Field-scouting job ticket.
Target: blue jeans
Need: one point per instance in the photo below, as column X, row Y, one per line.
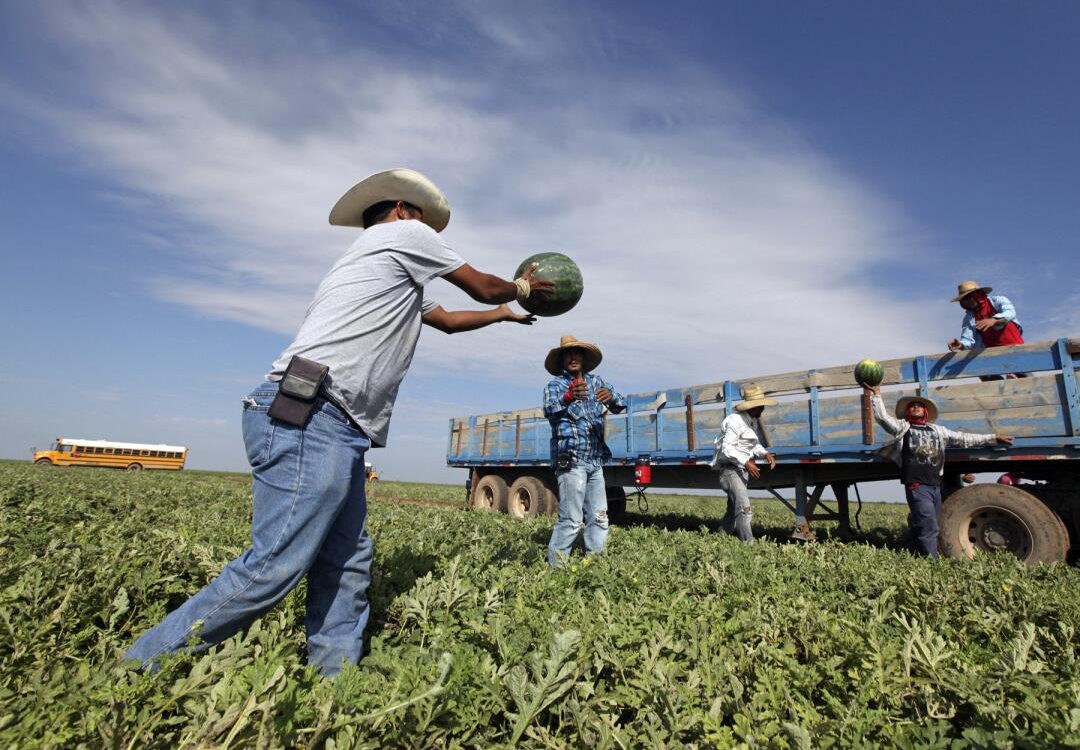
column 739, row 514
column 924, row 502
column 582, row 504
column 308, row 519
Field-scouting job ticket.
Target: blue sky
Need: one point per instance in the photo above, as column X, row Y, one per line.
column 749, row 188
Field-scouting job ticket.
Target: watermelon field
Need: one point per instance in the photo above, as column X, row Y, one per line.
column 680, row 637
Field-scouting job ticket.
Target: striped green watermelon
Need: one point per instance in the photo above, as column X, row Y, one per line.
column 566, row 276
column 869, row 373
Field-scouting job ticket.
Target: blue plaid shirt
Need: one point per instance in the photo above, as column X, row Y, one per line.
column 577, row 428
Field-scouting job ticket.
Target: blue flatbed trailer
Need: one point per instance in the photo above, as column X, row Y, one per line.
column 822, row 438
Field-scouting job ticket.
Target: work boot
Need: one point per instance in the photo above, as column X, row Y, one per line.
column 802, row 533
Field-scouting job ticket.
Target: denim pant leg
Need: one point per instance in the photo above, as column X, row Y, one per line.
column 727, row 523
column 595, row 510
column 301, row 479
column 572, row 484
column 337, row 603
column 739, row 514
column 925, row 505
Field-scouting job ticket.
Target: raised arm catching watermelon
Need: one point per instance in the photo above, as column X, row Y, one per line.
column 869, row 374
column 918, row 449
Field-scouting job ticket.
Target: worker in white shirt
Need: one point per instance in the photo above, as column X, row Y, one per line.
column 736, row 455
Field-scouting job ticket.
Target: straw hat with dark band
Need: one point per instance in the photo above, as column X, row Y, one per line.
column 903, row 404
column 754, row 396
column 964, row 288
column 590, row 355
column 392, row 185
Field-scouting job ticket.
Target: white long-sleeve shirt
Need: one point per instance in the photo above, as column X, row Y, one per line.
column 738, row 441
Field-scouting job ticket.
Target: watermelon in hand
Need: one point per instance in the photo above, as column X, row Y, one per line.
column 869, row 373
column 563, row 273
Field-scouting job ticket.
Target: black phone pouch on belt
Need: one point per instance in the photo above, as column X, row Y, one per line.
column 297, row 391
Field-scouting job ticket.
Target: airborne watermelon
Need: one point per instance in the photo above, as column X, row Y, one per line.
column 561, row 271
column 869, row 373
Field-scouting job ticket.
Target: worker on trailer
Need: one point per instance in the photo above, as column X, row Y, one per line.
column 989, row 320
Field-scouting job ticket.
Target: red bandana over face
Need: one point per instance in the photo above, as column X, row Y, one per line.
column 919, row 420
column 1008, row 335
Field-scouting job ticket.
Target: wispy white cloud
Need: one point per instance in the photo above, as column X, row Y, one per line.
column 714, row 240
column 1066, row 316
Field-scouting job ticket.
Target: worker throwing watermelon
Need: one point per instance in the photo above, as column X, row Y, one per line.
column 327, row 399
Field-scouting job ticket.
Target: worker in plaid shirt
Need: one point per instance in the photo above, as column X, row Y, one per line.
column 575, row 403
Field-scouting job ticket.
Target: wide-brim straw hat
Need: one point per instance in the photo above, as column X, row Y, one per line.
column 903, row 404
column 590, row 355
column 392, row 185
column 754, row 396
column 964, row 288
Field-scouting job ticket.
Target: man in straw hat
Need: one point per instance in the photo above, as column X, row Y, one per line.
column 326, row 400
column 735, row 455
column 575, row 403
column 989, row 319
column 919, row 449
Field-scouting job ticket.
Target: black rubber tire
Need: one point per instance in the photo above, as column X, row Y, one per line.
column 550, row 506
column 1001, row 518
column 616, row 504
column 43, row 462
column 526, row 497
column 490, row 494
column 135, row 467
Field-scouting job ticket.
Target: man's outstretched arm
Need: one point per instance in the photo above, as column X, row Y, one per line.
column 490, row 289
column 456, row 321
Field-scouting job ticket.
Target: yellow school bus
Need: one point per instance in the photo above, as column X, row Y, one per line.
column 130, row 456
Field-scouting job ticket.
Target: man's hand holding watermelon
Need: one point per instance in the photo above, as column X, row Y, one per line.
column 528, row 286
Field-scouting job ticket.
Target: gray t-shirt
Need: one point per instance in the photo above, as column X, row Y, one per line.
column 365, row 319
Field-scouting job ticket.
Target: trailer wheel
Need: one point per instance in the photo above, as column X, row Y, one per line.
column 526, row 497
column 550, row 506
column 997, row 518
column 616, row 503
column 490, row 494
